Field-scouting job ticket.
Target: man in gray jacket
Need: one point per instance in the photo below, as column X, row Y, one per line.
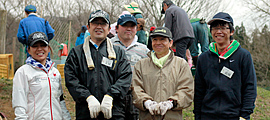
column 177, row 21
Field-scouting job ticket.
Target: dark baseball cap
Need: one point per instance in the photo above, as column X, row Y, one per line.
column 162, row 31
column 221, row 16
column 99, row 13
column 126, row 18
column 30, row 8
column 37, row 36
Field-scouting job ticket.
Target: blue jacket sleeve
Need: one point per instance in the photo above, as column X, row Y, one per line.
column 20, row 35
column 49, row 30
column 249, row 87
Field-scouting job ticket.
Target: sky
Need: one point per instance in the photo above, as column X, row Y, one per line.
column 241, row 13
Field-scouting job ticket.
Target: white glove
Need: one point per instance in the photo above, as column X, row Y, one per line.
column 164, row 106
column 94, row 106
column 241, row 118
column 106, row 106
column 152, row 106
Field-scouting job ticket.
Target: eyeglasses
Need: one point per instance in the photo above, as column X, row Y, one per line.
column 96, row 23
column 220, row 28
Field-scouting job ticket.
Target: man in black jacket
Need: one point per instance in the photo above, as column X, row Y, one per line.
column 225, row 80
column 98, row 74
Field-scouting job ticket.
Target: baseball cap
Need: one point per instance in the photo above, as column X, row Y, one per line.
column 30, row 8
column 162, row 31
column 37, row 36
column 223, row 17
column 126, row 18
column 99, row 13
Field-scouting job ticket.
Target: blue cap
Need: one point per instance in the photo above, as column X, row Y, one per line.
column 30, row 8
column 84, row 27
column 126, row 18
column 99, row 13
column 223, row 17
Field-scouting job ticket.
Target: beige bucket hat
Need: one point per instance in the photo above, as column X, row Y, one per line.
column 133, row 7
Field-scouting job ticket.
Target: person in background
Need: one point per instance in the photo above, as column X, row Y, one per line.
column 33, row 23
column 135, row 51
column 80, row 36
column 162, row 83
column 63, row 52
column 149, row 44
column 200, row 30
column 177, row 21
column 140, row 31
column 133, row 8
column 37, row 91
column 112, row 30
column 98, row 74
column 225, row 80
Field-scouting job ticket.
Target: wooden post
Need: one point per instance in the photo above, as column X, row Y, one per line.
column 14, row 49
column 69, row 42
column 3, row 24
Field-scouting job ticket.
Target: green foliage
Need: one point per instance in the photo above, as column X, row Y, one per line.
column 241, row 36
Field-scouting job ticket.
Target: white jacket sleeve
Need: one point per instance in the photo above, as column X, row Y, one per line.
column 19, row 95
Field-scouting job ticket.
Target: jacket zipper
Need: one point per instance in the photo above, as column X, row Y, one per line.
column 50, row 88
column 98, row 75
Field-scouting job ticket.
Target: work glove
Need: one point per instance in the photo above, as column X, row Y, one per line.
column 241, row 118
column 152, row 106
column 65, row 112
column 94, row 106
column 164, row 106
column 106, row 106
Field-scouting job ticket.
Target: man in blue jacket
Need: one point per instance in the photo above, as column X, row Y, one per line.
column 225, row 80
column 33, row 23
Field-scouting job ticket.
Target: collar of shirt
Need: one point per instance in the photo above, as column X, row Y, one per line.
column 134, row 42
column 93, row 43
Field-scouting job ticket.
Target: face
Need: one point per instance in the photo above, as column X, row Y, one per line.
column 127, row 31
column 39, row 51
column 221, row 34
column 98, row 29
column 161, row 45
column 165, row 7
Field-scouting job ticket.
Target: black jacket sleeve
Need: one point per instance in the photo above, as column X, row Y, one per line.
column 249, row 87
column 199, row 90
column 78, row 91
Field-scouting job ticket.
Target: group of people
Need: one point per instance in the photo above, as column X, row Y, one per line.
column 121, row 79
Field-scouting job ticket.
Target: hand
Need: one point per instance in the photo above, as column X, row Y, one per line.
column 106, row 106
column 152, row 106
column 164, row 106
column 94, row 106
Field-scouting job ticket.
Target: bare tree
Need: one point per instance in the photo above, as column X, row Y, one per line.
column 262, row 10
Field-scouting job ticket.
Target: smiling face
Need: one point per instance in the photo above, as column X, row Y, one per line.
column 221, row 33
column 39, row 51
column 98, row 29
column 161, row 45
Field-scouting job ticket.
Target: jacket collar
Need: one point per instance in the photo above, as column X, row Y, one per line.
column 229, row 50
column 34, row 63
column 170, row 58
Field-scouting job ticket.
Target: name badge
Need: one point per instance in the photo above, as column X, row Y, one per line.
column 107, row 62
column 227, row 72
column 135, row 58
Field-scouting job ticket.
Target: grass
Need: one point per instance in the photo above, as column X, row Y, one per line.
column 261, row 111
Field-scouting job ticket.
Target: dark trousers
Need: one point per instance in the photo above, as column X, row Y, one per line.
column 182, row 45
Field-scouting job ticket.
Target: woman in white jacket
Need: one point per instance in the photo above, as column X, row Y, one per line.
column 37, row 92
